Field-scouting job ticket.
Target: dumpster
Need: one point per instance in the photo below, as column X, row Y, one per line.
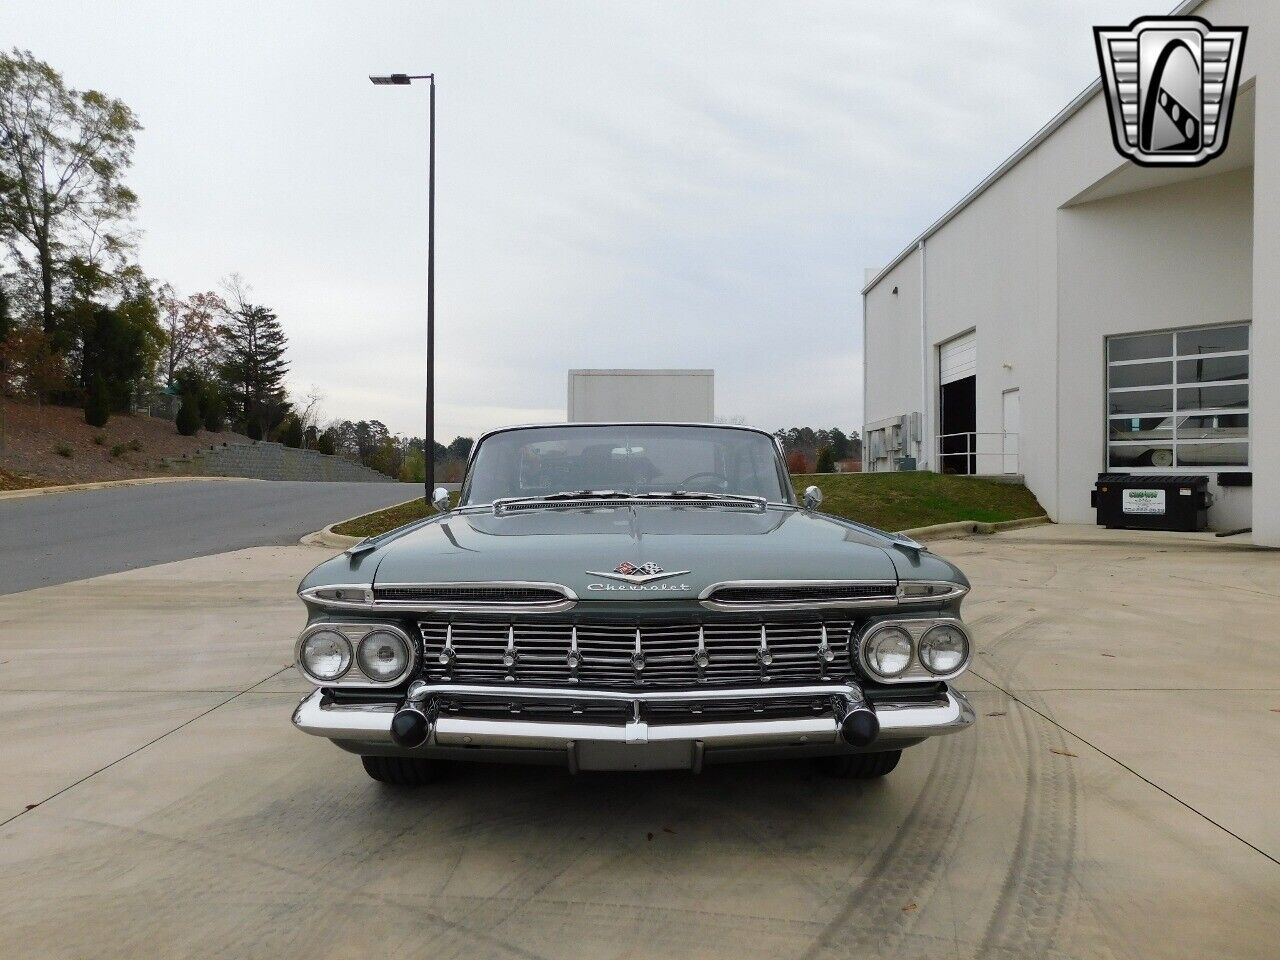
column 1145, row 502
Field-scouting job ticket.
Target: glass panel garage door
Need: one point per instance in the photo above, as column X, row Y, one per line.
column 1179, row 399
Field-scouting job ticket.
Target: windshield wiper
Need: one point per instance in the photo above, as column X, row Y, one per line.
column 580, row 495
column 700, row 495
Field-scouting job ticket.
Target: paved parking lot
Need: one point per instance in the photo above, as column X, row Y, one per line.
column 1117, row 798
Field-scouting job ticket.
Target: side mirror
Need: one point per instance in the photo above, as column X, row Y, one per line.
column 440, row 499
column 812, row 498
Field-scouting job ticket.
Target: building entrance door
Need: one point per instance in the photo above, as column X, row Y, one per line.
column 957, row 404
column 1011, row 424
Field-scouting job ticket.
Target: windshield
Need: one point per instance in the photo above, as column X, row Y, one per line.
column 639, row 459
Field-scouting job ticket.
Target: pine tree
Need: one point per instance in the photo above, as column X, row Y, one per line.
column 826, row 461
column 254, row 365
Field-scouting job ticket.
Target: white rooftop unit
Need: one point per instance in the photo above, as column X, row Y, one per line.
column 670, row 396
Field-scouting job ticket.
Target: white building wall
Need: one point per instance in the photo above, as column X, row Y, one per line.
column 1264, row 452
column 993, row 267
column 892, row 384
column 1174, row 256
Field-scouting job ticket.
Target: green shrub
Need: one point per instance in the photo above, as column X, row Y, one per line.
column 325, row 443
column 97, row 403
column 135, row 445
column 212, row 411
column 63, row 450
column 826, row 461
column 290, row 431
column 118, row 450
column 188, row 421
column 99, row 440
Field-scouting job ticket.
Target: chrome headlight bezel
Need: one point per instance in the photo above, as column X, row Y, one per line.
column 880, row 633
column 922, row 645
column 404, row 654
column 916, row 628
column 347, row 655
column 355, row 633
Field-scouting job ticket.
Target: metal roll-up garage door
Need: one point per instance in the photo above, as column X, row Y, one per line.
column 958, row 358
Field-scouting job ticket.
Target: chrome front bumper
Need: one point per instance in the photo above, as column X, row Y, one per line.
column 636, row 744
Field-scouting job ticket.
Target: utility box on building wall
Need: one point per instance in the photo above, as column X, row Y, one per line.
column 668, row 396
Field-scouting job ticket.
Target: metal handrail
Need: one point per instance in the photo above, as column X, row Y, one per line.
column 972, row 449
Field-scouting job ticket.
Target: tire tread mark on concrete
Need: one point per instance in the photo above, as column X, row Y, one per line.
column 873, row 916
column 1028, row 913
column 1027, row 919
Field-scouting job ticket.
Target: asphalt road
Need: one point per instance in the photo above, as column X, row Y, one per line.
column 45, row 540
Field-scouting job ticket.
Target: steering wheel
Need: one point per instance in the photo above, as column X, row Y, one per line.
column 723, row 480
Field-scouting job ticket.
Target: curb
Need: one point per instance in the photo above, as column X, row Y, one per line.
column 325, row 537
column 965, row 528
column 106, row 484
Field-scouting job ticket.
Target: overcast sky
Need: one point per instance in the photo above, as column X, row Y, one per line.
column 619, row 185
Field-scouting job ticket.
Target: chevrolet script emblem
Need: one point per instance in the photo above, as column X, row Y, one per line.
column 1170, row 84
column 630, row 573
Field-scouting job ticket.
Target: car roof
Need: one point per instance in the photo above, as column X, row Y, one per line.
column 623, row 423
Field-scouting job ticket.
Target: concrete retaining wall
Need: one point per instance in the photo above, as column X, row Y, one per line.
column 273, row 461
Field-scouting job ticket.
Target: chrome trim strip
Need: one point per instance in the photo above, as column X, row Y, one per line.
column 419, row 690
column 952, row 591
column 805, row 604
column 356, row 632
column 916, row 627
column 312, row 594
column 371, row 724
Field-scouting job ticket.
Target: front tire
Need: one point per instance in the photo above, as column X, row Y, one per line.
column 403, row 771
column 860, row 766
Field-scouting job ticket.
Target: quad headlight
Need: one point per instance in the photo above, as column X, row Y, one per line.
column 914, row 649
column 382, row 656
column 943, row 649
column 888, row 651
column 325, row 655
column 355, row 655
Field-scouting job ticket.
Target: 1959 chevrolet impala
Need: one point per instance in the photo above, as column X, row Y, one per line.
column 631, row 596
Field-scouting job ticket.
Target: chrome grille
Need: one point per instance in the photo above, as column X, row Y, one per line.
column 635, row 654
column 803, row 593
column 466, row 594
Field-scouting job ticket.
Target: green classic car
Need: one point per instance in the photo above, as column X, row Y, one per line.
column 631, row 596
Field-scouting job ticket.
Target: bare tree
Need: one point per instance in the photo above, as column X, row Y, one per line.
column 308, row 412
column 191, row 328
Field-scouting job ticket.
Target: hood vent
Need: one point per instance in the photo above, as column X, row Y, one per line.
column 793, row 594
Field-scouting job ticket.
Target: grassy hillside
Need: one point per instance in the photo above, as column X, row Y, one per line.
column 900, row 501
column 890, row 501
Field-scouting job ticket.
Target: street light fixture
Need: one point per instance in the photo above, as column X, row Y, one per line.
column 429, row 441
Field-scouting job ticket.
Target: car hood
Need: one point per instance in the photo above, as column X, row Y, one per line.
column 709, row 545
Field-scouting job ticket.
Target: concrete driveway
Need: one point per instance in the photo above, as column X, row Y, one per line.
column 1116, row 800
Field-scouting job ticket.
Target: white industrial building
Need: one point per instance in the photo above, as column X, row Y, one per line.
column 668, row 395
column 1076, row 313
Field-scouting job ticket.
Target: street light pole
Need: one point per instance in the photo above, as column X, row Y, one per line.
column 429, row 441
